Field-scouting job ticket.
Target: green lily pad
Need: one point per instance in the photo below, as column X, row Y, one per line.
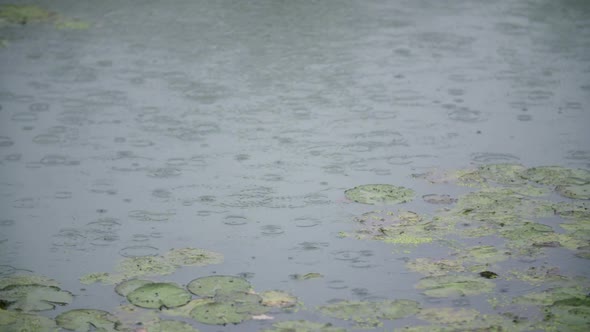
column 404, row 227
column 278, row 299
column 193, row 257
column 303, row 326
column 448, row 315
column 23, row 14
column 432, row 267
column 551, row 296
column 159, row 295
column 34, row 297
column 27, row 279
column 218, row 313
column 218, row 285
column 170, row 326
column 557, row 175
column 379, row 194
column 484, row 255
column 369, row 314
column 86, row 320
column 575, row 191
column 14, row 321
column 130, row 285
column 454, row 285
column 146, row 266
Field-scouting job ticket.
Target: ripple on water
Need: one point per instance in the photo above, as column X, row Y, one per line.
column 6, row 222
column 39, row 107
column 46, row 139
column 464, row 114
column 164, row 172
column 6, row 141
column 271, row 230
column 492, row 157
column 144, row 215
column 139, row 251
column 69, row 237
column 307, row 222
column 24, row 117
column 63, row 195
column 235, row 220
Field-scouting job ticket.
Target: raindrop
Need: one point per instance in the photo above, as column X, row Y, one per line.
column 138, row 251
column 490, row 157
column 5, row 141
column 46, row 139
column 271, row 230
column 465, row 115
column 24, row 117
column 7, row 222
column 140, row 237
column 165, row 172
column 524, row 117
column 63, row 195
column 104, row 240
column 307, row 222
column 26, row 203
column 39, row 107
column 13, row 157
column 105, row 224
column 235, row 220
column 6, row 270
column 161, row 193
column 69, row 237
column 337, row 284
column 53, row 160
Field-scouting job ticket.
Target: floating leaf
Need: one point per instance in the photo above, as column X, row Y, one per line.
column 303, row 326
column 130, row 285
column 34, row 297
column 433, row 267
column 193, row 257
column 22, row 14
column 218, row 285
column 451, row 286
column 575, row 191
column 557, row 175
column 159, row 295
column 85, row 320
column 379, row 194
column 278, row 299
column 369, row 314
column 170, row 326
column 218, row 313
column 14, row 321
column 27, row 279
column 448, row 315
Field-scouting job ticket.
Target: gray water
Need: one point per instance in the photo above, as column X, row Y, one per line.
column 236, row 126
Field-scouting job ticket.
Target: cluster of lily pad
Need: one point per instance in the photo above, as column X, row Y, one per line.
column 17, row 14
column 517, row 215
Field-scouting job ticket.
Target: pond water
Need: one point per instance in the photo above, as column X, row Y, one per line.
column 236, row 127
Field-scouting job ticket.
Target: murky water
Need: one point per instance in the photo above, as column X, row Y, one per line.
column 236, row 126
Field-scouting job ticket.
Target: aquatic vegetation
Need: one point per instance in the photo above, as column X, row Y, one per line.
column 23, row 14
column 454, row 285
column 370, row 314
column 278, row 299
column 307, row 276
column 218, row 285
column 170, row 326
column 557, row 175
column 448, row 315
column 435, row 267
column 219, row 313
column 26, row 322
column 33, row 297
column 484, row 255
column 574, row 191
column 159, row 295
column 27, row 279
column 86, row 320
column 404, row 227
column 133, row 267
column 130, row 285
column 193, row 257
column 304, row 326
column 379, row 194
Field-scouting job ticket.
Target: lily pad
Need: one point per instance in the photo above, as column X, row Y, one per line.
column 14, row 321
column 218, row 285
column 432, row 267
column 575, row 191
column 159, row 295
column 218, row 313
column 130, row 285
column 369, row 314
column 404, row 227
column 278, row 299
column 27, row 279
column 23, row 14
column 146, row 265
column 193, row 257
column 33, row 297
column 448, row 315
column 454, row 285
column 303, row 326
column 379, row 194
column 170, row 326
column 557, row 175
column 86, row 320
